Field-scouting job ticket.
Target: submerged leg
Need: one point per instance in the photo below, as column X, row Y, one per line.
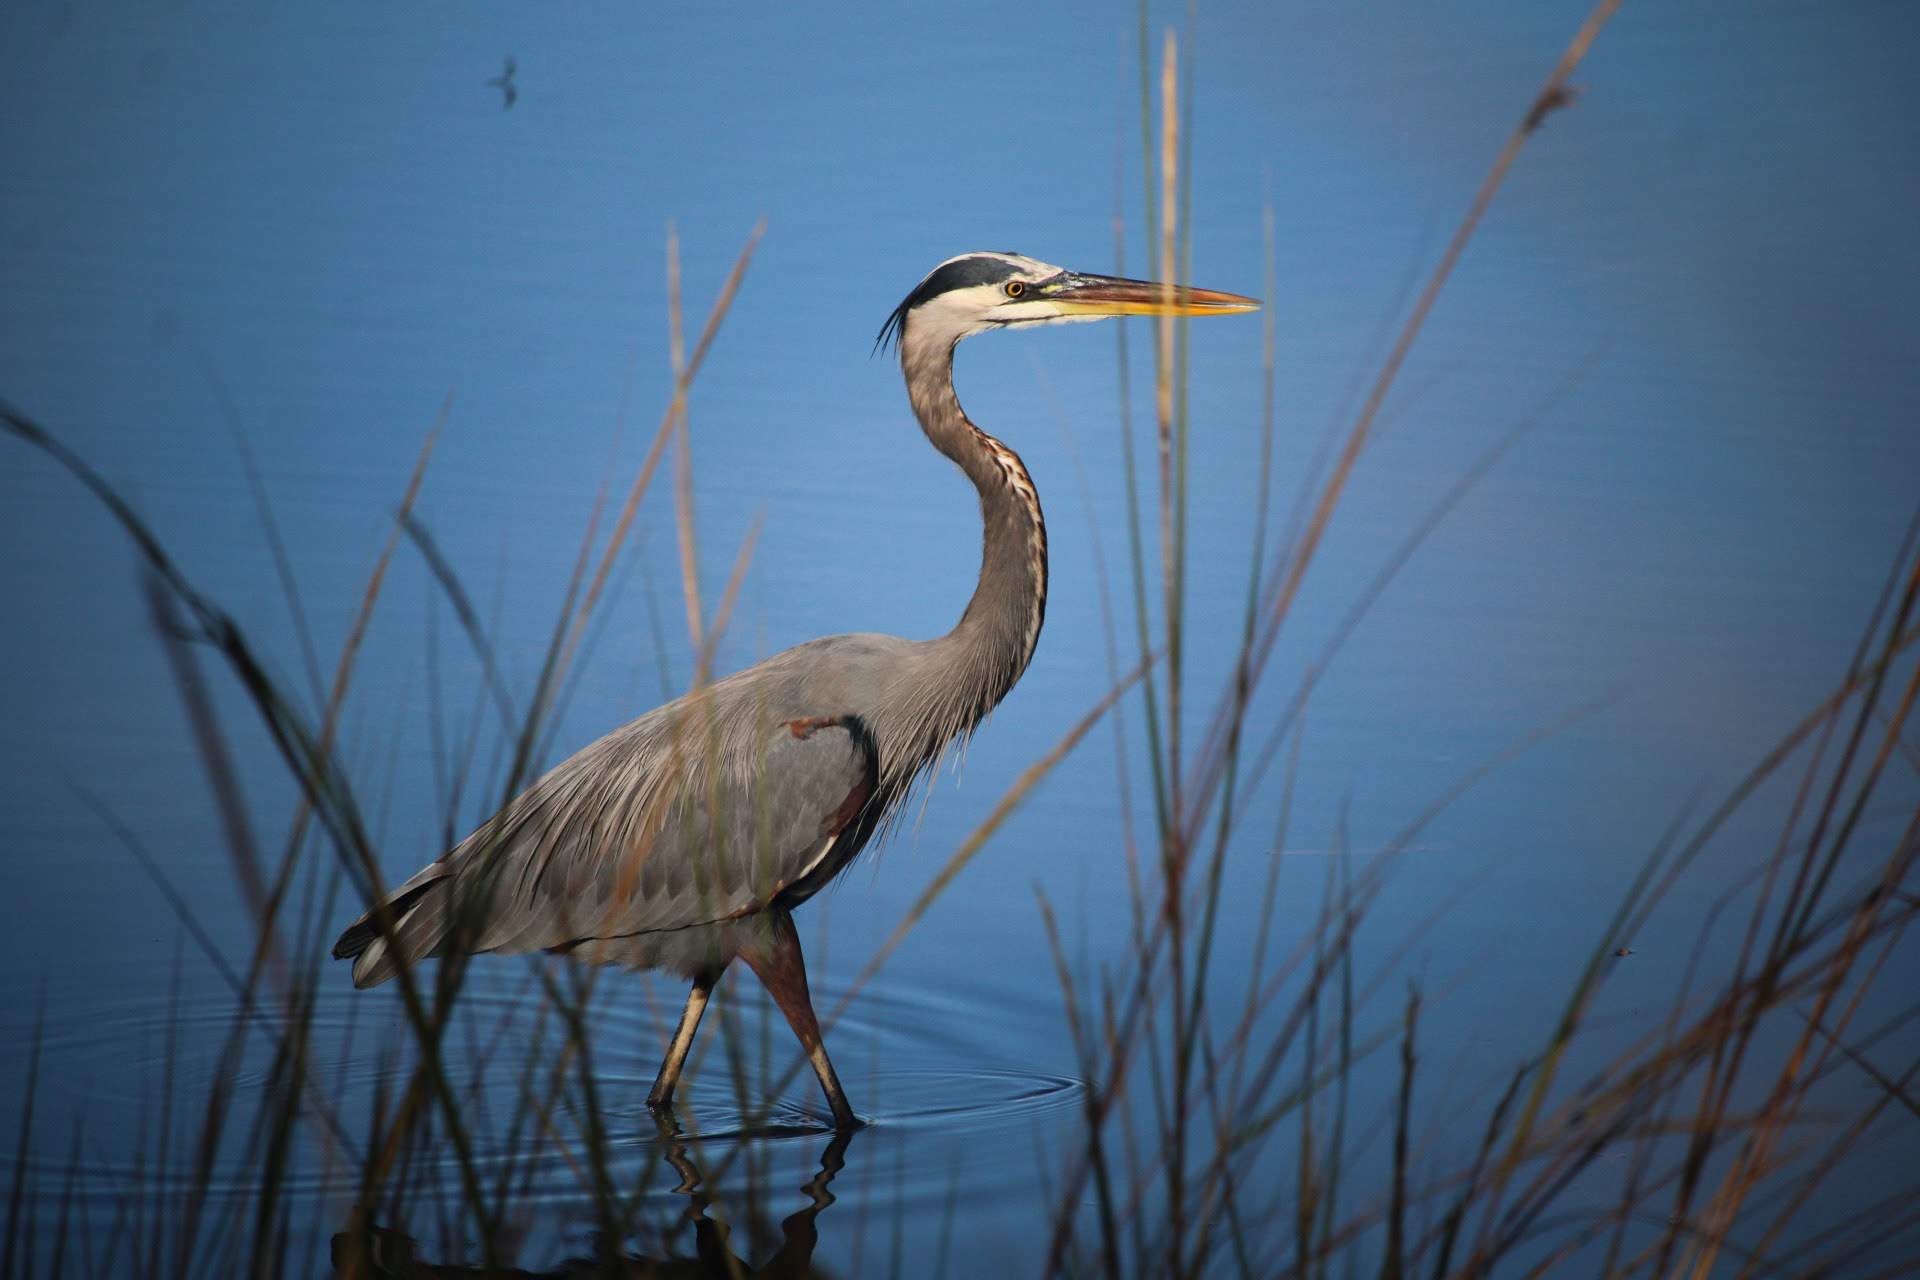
column 662, row 1095
column 776, row 960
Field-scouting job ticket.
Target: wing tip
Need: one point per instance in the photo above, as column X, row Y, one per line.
column 372, row 966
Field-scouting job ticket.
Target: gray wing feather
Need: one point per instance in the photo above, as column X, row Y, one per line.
column 664, row 824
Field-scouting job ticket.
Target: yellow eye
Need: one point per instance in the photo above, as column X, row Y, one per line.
column 1015, row 288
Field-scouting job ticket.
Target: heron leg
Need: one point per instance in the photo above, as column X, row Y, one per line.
column 662, row 1096
column 776, row 960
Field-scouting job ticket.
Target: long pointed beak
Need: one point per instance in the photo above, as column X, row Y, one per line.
column 1113, row 296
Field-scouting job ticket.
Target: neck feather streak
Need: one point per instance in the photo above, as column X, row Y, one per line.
column 976, row 663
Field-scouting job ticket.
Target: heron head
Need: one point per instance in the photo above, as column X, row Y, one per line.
column 976, row 292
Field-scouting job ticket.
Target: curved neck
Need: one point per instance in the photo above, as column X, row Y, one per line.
column 989, row 648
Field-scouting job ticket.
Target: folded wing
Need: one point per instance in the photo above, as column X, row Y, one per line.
column 661, row 825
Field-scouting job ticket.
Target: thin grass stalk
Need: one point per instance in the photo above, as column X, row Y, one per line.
column 256, row 1014
column 57, row 1267
column 1873, row 1216
column 1451, row 1222
column 1083, row 1047
column 1149, row 194
column 1668, row 1106
column 551, row 686
column 1136, row 542
column 1109, row 632
column 1269, row 901
column 1242, row 687
column 1135, row 551
column 567, row 636
column 1083, row 1031
column 1753, row 1159
column 1343, row 1071
column 1129, row 1135
column 673, row 426
column 683, row 460
column 220, row 1094
column 1553, row 95
column 1360, row 896
column 683, row 385
column 1177, row 951
column 1850, row 821
column 598, row 1174
column 1804, row 792
column 269, row 528
column 288, row 1079
column 572, row 622
column 1183, row 327
column 1675, row 1062
column 169, row 1063
column 1727, row 1073
column 1573, row 1013
column 312, row 766
column 1892, row 1090
column 267, row 912
column 1241, row 684
column 1781, row 751
column 16, row 1196
column 1164, row 415
column 1371, row 594
column 468, row 617
column 1139, row 1011
column 1173, row 854
column 1866, row 678
column 467, row 767
column 1391, row 963
column 1219, row 1191
column 1895, row 1090
column 1307, row 1166
column 1783, row 933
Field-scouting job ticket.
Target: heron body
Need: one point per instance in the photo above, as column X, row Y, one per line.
column 684, row 839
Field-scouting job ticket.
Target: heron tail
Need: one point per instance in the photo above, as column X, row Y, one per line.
column 419, row 915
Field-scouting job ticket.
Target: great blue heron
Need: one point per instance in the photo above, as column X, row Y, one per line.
column 685, row 838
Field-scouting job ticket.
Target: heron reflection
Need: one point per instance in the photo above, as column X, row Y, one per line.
column 375, row 1253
